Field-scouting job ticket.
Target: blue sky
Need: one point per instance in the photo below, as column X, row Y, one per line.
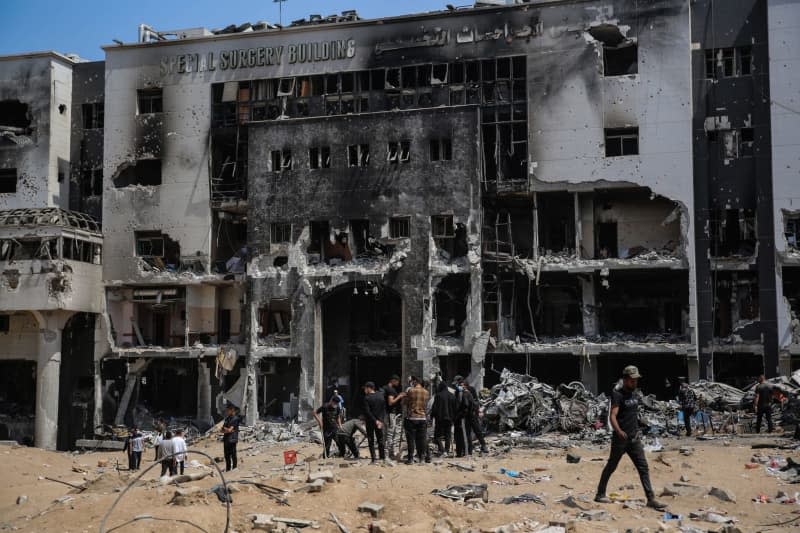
column 82, row 26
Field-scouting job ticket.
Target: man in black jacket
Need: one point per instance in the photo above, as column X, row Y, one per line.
column 230, row 436
column 443, row 413
column 469, row 408
column 375, row 414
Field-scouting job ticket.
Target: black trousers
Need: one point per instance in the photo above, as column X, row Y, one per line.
column 634, row 449
column 327, row 439
column 458, row 436
column 179, row 466
column 443, row 435
column 688, row 413
column 168, row 465
column 762, row 412
column 230, row 455
column 417, row 437
column 473, row 426
column 131, row 460
column 374, row 433
column 346, row 442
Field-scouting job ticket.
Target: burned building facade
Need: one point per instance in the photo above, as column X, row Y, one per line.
column 532, row 186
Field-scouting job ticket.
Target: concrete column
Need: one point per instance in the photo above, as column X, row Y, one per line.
column 203, row 392
column 251, row 390
column 98, row 394
column 693, row 368
column 578, row 225
column 535, row 228
column 588, row 296
column 785, row 365
column 589, row 376
column 48, row 372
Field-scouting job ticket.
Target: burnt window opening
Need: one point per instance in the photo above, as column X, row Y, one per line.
column 733, row 143
column 275, row 319
column 157, row 249
column 621, row 141
column 80, row 250
column 746, row 139
column 732, row 232
column 736, row 302
column 146, row 172
column 400, row 227
column 360, row 237
column 320, row 235
column 607, row 245
column 281, row 160
column 792, row 231
column 319, row 157
column 358, row 155
column 450, row 305
column 93, row 116
column 280, row 233
column 92, row 182
column 29, row 249
column 5, row 323
column 8, row 180
column 552, row 307
column 443, row 231
column 149, row 101
column 441, row 149
column 229, row 166
column 399, row 152
column 14, row 114
column 620, row 53
column 729, row 62
column 556, row 215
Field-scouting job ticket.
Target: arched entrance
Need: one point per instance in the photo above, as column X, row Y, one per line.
column 362, row 339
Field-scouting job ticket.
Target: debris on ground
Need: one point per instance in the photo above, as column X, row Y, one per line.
column 464, row 492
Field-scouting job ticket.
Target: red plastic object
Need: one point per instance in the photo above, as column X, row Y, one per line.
column 289, row 457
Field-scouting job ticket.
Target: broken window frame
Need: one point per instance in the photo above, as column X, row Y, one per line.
column 8, row 180
column 622, row 137
column 147, row 244
column 93, row 115
column 267, row 316
column 319, row 157
column 791, row 231
column 357, row 155
column 92, row 181
column 149, row 101
column 443, row 227
column 281, row 160
column 441, row 149
column 611, row 68
column 731, row 62
column 400, row 227
column 280, row 233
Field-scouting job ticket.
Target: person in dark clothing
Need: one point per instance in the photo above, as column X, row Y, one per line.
column 134, row 445
column 469, row 406
column 345, row 436
column 375, row 415
column 394, row 416
column 688, row 400
column 329, row 420
column 626, row 439
column 230, row 436
column 762, row 403
column 443, row 413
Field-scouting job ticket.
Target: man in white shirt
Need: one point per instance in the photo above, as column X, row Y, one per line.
column 179, row 447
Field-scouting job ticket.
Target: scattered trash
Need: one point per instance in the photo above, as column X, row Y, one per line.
column 511, row 473
column 669, row 516
column 594, row 515
column 464, row 492
column 710, row 515
column 523, row 498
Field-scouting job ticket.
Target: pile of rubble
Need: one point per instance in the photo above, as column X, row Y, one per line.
column 521, row 403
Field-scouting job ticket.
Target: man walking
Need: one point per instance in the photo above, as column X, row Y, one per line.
column 762, row 403
column 375, row 414
column 166, row 455
column 416, row 422
column 394, row 422
column 179, row 447
column 345, row 436
column 230, row 436
column 688, row 400
column 470, row 409
column 443, row 413
column 626, row 439
column 329, row 420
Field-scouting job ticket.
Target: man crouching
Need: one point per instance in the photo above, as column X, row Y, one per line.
column 626, row 438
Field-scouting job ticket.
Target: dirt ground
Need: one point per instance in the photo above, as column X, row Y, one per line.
column 405, row 490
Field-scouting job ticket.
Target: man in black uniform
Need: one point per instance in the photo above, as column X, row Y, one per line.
column 626, row 438
column 762, row 403
column 329, row 419
column 230, row 436
column 375, row 414
column 469, row 407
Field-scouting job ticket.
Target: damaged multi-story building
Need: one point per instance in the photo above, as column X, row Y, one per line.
column 555, row 187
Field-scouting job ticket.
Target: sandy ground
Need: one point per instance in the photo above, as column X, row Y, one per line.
column 403, row 489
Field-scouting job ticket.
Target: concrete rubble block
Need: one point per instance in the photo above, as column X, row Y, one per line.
column 268, row 522
column 325, row 475
column 683, row 489
column 375, row 509
column 573, row 458
column 595, row 515
column 21, row 499
column 722, row 494
column 379, row 526
column 100, row 444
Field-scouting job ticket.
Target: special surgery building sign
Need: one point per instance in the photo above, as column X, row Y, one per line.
column 259, row 57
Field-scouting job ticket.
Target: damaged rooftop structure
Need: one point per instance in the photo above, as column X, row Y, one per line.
column 557, row 188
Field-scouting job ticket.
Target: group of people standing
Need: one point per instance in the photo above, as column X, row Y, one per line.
column 391, row 413
column 170, row 449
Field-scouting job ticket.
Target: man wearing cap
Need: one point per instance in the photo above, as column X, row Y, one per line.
column 394, row 421
column 375, row 414
column 626, row 439
column 230, row 436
